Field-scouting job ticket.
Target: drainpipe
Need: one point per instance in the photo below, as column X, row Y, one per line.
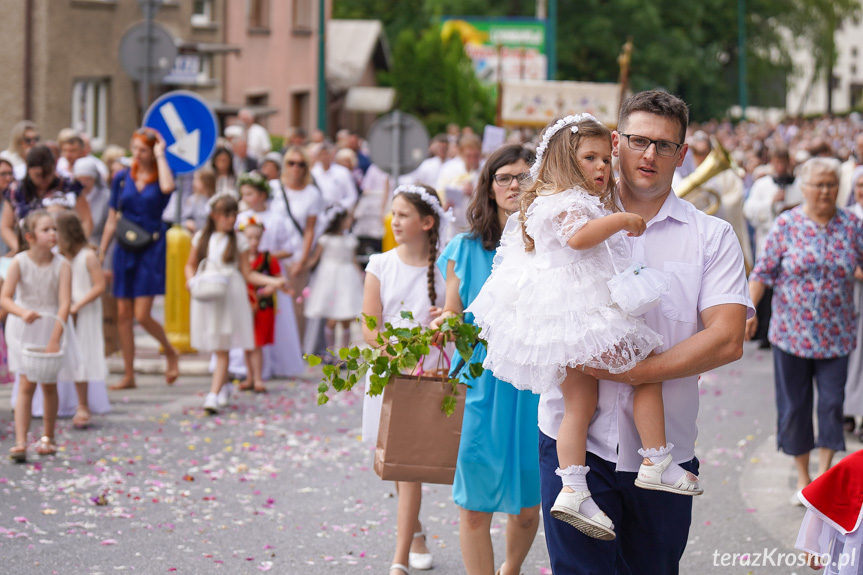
column 28, row 59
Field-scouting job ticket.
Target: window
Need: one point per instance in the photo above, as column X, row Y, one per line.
column 300, row 110
column 90, row 110
column 303, row 17
column 205, row 72
column 202, row 12
column 259, row 14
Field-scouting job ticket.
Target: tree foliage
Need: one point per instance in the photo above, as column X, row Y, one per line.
column 434, row 80
column 688, row 48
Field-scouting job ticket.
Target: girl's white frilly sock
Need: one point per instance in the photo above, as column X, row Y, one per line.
column 656, row 456
column 575, row 477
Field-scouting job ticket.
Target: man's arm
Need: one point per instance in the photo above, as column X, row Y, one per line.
column 719, row 343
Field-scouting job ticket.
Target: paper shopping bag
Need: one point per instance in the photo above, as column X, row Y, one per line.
column 416, row 440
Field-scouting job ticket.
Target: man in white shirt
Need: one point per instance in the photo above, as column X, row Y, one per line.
column 335, row 182
column 429, row 170
column 457, row 180
column 257, row 136
column 701, row 320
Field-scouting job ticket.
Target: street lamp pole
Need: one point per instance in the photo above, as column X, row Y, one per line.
column 741, row 55
column 322, row 81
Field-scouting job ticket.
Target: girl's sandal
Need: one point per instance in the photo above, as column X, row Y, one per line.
column 81, row 419
column 46, row 446
column 18, row 454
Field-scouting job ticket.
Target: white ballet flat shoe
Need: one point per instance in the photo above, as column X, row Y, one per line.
column 399, row 566
column 650, row 477
column 566, row 508
column 420, row 561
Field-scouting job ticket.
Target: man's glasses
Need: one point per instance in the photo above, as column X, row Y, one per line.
column 506, row 179
column 33, row 140
column 293, row 164
column 640, row 144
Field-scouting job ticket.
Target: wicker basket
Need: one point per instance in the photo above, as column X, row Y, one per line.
column 39, row 366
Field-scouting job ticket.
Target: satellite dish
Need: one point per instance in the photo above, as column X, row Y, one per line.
column 398, row 142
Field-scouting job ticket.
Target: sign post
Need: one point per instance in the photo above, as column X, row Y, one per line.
column 190, row 130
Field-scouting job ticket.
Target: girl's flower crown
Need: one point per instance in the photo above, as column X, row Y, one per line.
column 251, row 222
column 551, row 131
column 254, row 179
column 446, row 217
column 216, row 197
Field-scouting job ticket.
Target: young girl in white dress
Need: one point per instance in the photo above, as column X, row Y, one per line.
column 284, row 357
column 336, row 290
column 406, row 279
column 88, row 285
column 41, row 283
column 222, row 324
column 546, row 310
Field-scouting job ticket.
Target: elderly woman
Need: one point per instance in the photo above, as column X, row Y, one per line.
column 41, row 188
column 95, row 189
column 141, row 194
column 24, row 137
column 810, row 258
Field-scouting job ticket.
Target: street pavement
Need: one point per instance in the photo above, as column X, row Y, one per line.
column 278, row 484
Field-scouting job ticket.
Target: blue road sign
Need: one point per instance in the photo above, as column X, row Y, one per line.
column 189, row 127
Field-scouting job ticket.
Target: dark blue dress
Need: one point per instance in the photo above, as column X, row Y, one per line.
column 141, row 274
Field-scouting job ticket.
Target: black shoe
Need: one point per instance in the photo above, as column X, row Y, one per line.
column 764, row 344
column 849, row 424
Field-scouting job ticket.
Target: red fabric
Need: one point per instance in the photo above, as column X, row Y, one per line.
column 265, row 319
column 838, row 494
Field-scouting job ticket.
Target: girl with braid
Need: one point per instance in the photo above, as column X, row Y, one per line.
column 406, row 279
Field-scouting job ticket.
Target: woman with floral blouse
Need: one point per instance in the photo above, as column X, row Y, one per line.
column 810, row 259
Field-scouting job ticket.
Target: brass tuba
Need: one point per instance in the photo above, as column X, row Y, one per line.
column 691, row 188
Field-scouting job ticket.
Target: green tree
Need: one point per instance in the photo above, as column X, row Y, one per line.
column 434, row 80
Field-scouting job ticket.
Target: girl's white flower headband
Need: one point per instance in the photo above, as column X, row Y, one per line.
column 551, row 131
column 446, row 217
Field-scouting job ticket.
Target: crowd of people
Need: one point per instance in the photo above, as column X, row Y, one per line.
column 522, row 241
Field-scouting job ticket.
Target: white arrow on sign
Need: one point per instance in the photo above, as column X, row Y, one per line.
column 186, row 145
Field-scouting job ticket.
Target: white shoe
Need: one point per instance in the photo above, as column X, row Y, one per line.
column 223, row 399
column 566, row 508
column 211, row 404
column 650, row 477
column 420, row 561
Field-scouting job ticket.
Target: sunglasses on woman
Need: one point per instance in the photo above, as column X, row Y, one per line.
column 293, row 164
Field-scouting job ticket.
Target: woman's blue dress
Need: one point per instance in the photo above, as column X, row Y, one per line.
column 498, row 457
column 141, row 274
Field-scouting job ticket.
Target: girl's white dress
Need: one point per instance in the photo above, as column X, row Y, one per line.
column 403, row 288
column 544, row 310
column 336, row 291
column 38, row 289
column 226, row 323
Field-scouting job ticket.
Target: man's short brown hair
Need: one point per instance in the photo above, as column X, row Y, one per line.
column 659, row 103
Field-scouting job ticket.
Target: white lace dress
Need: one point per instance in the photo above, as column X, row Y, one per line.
column 544, row 310
column 336, row 291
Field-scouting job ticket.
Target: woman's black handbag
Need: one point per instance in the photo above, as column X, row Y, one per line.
column 130, row 235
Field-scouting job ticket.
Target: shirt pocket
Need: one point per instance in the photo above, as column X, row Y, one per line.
column 680, row 303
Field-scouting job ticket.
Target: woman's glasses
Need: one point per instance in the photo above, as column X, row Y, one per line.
column 293, row 164
column 146, row 134
column 31, row 140
column 506, row 179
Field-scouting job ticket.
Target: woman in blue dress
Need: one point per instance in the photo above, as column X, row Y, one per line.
column 141, row 194
column 498, row 460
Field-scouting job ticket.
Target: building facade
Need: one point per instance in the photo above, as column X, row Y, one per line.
column 61, row 66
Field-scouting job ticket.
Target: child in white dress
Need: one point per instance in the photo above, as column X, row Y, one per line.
column 280, row 240
column 222, row 324
column 88, row 285
column 41, row 283
column 547, row 310
column 336, row 290
column 405, row 279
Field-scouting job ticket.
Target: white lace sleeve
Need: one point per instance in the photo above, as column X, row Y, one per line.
column 574, row 209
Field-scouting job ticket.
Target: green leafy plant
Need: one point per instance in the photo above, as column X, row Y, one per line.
column 397, row 352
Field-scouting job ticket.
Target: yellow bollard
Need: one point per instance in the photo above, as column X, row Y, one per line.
column 389, row 241
column 176, row 295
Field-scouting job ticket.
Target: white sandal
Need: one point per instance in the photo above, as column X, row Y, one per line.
column 566, row 508
column 399, row 566
column 420, row 561
column 650, row 477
